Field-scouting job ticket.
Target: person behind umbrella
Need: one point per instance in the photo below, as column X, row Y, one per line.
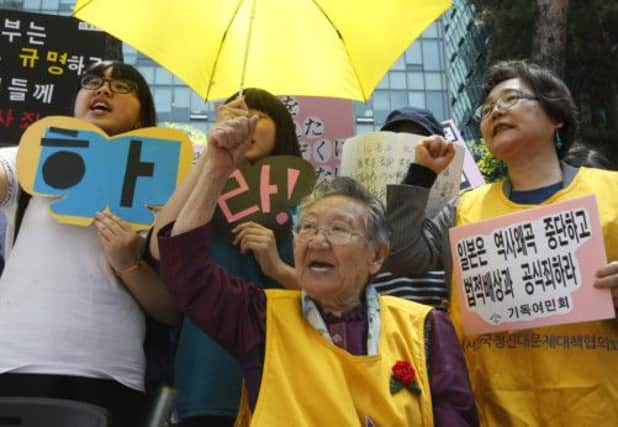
column 542, row 376
column 429, row 288
column 334, row 353
column 207, row 379
column 70, row 324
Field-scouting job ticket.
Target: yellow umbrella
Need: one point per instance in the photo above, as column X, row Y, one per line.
column 332, row 48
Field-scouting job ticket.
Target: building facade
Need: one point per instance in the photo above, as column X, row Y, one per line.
column 417, row 78
column 466, row 48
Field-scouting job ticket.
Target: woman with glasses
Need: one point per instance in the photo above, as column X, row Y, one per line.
column 334, row 353
column 528, row 120
column 70, row 324
column 207, row 379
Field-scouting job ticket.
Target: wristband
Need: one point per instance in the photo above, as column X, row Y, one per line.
column 137, row 265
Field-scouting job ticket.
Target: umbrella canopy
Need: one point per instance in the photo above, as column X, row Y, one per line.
column 332, row 48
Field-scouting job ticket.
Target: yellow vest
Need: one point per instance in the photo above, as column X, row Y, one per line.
column 309, row 382
column 553, row 376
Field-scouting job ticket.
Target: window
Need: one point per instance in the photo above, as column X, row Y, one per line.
column 398, row 80
column 398, row 99
column 49, row 5
column 416, row 99
column 414, row 54
column 436, row 104
column 433, row 81
column 163, row 77
column 431, row 31
column 182, row 97
column 380, row 100
column 431, row 55
column 163, row 99
column 148, row 73
column 32, row 4
column 415, row 81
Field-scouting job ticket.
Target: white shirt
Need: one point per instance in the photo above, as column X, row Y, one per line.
column 62, row 311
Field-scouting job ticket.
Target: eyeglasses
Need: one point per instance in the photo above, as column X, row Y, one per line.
column 505, row 101
column 336, row 234
column 92, row 82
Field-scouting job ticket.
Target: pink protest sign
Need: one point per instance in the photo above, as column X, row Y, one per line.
column 322, row 124
column 471, row 176
column 532, row 268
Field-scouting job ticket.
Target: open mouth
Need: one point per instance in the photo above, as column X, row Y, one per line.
column 320, row 266
column 100, row 106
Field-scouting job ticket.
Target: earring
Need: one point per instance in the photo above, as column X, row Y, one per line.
column 558, row 141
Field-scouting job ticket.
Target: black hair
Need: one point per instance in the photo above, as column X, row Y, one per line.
column 584, row 155
column 552, row 93
column 120, row 70
column 378, row 228
column 286, row 141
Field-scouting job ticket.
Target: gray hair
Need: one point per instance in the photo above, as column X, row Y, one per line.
column 378, row 230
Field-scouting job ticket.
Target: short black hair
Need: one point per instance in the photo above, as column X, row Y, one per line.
column 120, row 70
column 553, row 94
column 286, row 141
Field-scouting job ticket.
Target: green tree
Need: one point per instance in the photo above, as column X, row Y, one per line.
column 492, row 168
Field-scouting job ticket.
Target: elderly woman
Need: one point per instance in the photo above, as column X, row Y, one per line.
column 541, row 376
column 335, row 353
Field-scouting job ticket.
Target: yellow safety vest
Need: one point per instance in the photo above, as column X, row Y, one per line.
column 309, row 382
column 553, row 376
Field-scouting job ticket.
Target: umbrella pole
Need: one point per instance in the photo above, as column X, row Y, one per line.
column 247, row 46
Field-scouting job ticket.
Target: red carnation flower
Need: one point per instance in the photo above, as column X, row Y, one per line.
column 404, row 376
column 404, row 372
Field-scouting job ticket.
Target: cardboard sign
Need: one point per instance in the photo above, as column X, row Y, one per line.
column 41, row 57
column 264, row 192
column 76, row 163
column 471, row 176
column 377, row 159
column 531, row 268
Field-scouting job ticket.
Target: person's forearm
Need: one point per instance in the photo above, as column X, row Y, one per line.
column 201, row 203
column 286, row 276
column 451, row 393
column 174, row 205
column 151, row 294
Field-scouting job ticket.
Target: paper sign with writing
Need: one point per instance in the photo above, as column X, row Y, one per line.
column 377, row 159
column 41, row 59
column 531, row 268
column 322, row 124
column 471, row 176
column 86, row 171
column 264, row 192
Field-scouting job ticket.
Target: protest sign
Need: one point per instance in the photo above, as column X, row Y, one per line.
column 265, row 192
column 42, row 57
column 471, row 176
column 76, row 163
column 377, row 159
column 531, row 268
column 322, row 124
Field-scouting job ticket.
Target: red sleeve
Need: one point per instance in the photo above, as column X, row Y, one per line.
column 228, row 309
column 453, row 402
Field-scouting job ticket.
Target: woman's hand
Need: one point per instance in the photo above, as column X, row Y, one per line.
column 235, row 108
column 121, row 245
column 261, row 240
column 434, row 152
column 227, row 142
column 251, row 236
column 607, row 278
